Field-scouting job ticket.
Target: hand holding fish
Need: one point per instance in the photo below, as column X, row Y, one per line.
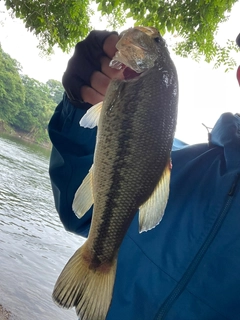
column 88, row 73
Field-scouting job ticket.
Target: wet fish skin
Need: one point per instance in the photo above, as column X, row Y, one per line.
column 131, row 169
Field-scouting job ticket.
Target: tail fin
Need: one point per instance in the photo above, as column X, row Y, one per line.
column 89, row 290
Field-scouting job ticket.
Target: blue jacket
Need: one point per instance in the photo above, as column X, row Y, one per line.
column 188, row 267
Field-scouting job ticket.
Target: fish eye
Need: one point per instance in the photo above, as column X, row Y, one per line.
column 161, row 41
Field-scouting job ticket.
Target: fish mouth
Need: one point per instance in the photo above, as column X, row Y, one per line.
column 133, row 54
column 128, row 73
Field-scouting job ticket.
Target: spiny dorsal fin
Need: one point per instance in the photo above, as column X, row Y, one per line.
column 151, row 212
column 83, row 199
column 91, row 117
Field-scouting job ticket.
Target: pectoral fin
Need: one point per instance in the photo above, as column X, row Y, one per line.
column 151, row 212
column 91, row 117
column 83, row 199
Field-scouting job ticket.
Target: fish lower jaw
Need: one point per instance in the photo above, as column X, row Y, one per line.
column 128, row 73
column 115, row 64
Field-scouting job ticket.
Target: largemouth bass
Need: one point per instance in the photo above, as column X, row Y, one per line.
column 131, row 169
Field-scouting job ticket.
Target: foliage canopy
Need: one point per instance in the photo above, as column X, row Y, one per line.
column 65, row 22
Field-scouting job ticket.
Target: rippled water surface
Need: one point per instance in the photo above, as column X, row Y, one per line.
column 34, row 247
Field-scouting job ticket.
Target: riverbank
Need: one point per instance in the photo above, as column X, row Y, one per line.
column 4, row 314
column 20, row 134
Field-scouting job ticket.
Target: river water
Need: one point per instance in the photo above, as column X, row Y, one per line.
column 34, row 247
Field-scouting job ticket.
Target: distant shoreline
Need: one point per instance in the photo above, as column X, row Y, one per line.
column 6, row 129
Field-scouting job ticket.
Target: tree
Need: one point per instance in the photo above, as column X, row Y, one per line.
column 34, row 116
column 55, row 89
column 26, row 103
column 11, row 87
column 65, row 22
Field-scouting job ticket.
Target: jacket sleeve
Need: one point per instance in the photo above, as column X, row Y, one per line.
column 70, row 161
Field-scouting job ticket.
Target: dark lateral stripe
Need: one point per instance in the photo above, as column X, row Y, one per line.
column 124, row 141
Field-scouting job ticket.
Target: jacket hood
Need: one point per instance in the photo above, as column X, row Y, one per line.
column 226, row 134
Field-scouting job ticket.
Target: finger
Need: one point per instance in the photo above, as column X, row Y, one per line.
column 100, row 82
column 78, row 73
column 108, row 71
column 85, row 60
column 109, row 45
column 90, row 95
column 95, row 43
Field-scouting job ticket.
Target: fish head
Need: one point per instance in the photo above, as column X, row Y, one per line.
column 138, row 49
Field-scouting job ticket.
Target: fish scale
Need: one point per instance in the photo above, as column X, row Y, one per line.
column 131, row 168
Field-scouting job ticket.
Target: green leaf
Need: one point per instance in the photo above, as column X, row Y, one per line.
column 169, row 25
column 196, row 22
